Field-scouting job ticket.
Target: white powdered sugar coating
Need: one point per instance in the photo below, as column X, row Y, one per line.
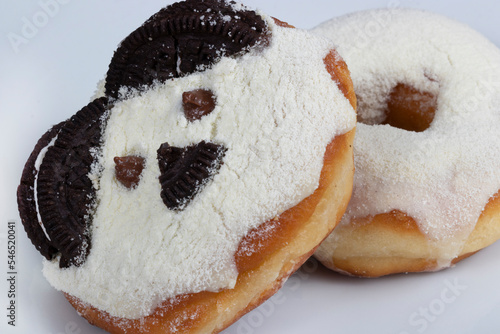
column 277, row 110
column 100, row 90
column 443, row 177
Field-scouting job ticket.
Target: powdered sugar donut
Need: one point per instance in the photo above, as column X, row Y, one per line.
column 201, row 179
column 427, row 144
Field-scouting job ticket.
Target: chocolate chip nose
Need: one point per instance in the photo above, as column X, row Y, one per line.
column 128, row 170
column 185, row 171
column 198, row 103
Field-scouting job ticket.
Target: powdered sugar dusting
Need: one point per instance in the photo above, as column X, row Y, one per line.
column 444, row 176
column 277, row 110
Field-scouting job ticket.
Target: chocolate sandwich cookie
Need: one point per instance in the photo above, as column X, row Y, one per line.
column 181, row 39
column 27, row 200
column 64, row 193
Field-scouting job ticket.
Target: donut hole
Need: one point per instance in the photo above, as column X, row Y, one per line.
column 410, row 109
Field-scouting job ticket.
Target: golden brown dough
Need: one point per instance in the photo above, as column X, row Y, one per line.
column 392, row 243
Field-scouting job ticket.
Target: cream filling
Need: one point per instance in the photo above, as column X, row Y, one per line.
column 38, row 163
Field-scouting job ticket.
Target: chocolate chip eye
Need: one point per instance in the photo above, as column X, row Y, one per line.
column 184, row 171
column 198, row 103
column 128, row 170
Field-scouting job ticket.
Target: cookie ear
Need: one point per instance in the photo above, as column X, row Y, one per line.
column 65, row 192
column 26, row 196
column 180, row 39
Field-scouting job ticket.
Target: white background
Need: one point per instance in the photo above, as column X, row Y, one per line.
column 53, row 74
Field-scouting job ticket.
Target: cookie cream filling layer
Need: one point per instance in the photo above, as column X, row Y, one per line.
column 38, row 163
column 277, row 110
column 444, row 176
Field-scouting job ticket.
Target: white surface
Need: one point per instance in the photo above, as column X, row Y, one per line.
column 54, row 74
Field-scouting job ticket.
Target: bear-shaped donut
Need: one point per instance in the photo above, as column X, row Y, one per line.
column 201, row 178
